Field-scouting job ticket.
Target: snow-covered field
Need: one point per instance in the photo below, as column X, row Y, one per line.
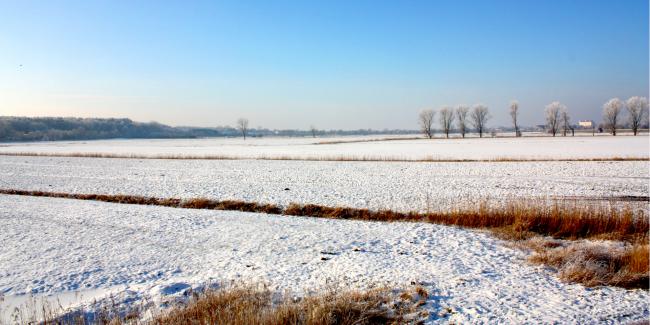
column 542, row 147
column 403, row 186
column 76, row 251
column 56, row 246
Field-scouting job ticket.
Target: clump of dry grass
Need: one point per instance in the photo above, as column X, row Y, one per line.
column 595, row 263
column 251, row 305
column 255, row 304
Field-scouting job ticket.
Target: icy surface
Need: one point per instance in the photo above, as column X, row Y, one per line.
column 55, row 246
column 404, row 186
column 470, row 148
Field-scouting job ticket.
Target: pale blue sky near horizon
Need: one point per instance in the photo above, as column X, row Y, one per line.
column 333, row 64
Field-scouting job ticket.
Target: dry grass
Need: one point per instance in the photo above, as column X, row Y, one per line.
column 197, row 203
column 105, row 311
column 250, row 305
column 595, row 263
column 518, row 221
column 342, row 158
column 514, row 220
column 231, row 205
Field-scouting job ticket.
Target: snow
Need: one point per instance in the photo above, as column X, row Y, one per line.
column 538, row 147
column 77, row 251
column 403, row 186
column 57, row 246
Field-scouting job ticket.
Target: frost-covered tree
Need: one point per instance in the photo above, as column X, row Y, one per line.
column 480, row 115
column 637, row 107
column 611, row 114
column 446, row 119
column 242, row 126
column 514, row 114
column 461, row 117
column 426, row 122
column 313, row 130
column 552, row 113
column 565, row 120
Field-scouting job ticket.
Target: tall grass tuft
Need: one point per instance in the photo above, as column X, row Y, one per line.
column 249, row 305
column 598, row 263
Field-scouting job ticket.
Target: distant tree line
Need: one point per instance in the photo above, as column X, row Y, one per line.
column 557, row 119
column 617, row 114
column 67, row 128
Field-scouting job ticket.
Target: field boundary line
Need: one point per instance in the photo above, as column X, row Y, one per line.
column 311, row 158
column 566, row 219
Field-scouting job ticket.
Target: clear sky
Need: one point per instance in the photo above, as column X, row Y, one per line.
column 334, row 64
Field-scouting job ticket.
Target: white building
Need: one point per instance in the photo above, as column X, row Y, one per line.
column 586, row 124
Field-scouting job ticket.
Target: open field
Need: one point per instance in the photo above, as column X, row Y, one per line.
column 162, row 252
column 354, row 148
column 375, row 185
column 76, row 251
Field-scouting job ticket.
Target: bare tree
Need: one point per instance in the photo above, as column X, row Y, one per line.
column 638, row 108
column 479, row 115
column 514, row 114
column 552, row 113
column 461, row 116
column 446, row 119
column 565, row 120
column 313, row 130
column 611, row 114
column 426, row 122
column 242, row 126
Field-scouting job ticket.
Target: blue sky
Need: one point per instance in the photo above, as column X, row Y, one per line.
column 334, row 64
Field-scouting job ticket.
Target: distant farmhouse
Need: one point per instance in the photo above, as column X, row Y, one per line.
column 586, row 124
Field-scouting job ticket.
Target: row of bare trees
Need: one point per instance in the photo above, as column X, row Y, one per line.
column 478, row 116
column 637, row 109
column 556, row 115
